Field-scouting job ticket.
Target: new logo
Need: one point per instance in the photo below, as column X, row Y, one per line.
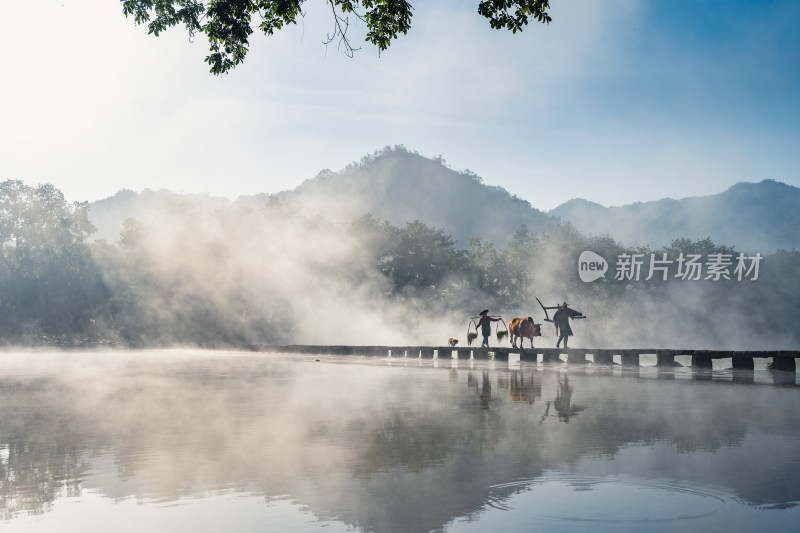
column 591, row 266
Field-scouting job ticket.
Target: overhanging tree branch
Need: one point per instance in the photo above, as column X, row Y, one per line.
column 341, row 25
column 228, row 24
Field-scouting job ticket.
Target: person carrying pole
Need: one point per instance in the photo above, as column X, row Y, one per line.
column 561, row 322
column 485, row 325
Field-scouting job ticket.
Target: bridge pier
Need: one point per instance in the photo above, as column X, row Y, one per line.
column 702, row 364
column 630, row 358
column 665, row 359
column 602, row 357
column 784, row 363
column 551, row 356
column 784, row 370
column 500, row 354
column 576, row 357
column 702, row 361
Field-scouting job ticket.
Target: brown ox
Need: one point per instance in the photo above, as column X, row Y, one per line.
column 523, row 328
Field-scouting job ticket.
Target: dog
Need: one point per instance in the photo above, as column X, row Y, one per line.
column 452, row 342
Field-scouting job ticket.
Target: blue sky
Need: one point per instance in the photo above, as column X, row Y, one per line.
column 615, row 101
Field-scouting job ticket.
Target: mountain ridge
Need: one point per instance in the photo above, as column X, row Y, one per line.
column 752, row 216
column 401, row 186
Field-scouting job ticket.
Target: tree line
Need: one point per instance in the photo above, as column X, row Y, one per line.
column 243, row 275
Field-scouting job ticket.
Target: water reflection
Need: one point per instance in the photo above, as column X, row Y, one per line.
column 373, row 447
column 524, row 389
column 563, row 402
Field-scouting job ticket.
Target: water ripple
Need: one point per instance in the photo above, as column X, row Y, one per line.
column 605, row 499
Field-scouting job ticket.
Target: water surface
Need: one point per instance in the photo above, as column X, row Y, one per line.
column 197, row 441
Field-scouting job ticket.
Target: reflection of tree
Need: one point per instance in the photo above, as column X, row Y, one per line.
column 32, row 479
column 563, row 402
column 38, row 464
column 414, row 441
column 356, row 446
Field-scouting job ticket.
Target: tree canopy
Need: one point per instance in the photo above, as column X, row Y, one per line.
column 49, row 284
column 274, row 274
column 228, row 24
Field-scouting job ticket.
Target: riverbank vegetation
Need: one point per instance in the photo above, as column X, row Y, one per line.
column 274, row 275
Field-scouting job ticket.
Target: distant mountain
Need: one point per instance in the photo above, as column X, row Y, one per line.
column 402, row 186
column 752, row 217
column 109, row 214
column 394, row 184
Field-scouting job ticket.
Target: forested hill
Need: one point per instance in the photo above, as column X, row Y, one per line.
column 393, row 184
column 756, row 217
column 205, row 271
column 402, row 186
column 109, row 214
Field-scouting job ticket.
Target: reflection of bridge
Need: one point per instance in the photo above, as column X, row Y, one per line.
column 665, row 358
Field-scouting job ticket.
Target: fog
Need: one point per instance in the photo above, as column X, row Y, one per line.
column 193, row 271
column 280, row 275
column 268, row 275
column 679, row 314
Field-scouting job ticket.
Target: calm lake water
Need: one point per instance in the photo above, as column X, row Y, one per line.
column 199, row 441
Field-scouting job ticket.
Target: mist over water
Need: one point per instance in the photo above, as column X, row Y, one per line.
column 172, row 438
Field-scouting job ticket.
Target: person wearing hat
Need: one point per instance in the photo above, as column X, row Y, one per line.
column 561, row 322
column 485, row 323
